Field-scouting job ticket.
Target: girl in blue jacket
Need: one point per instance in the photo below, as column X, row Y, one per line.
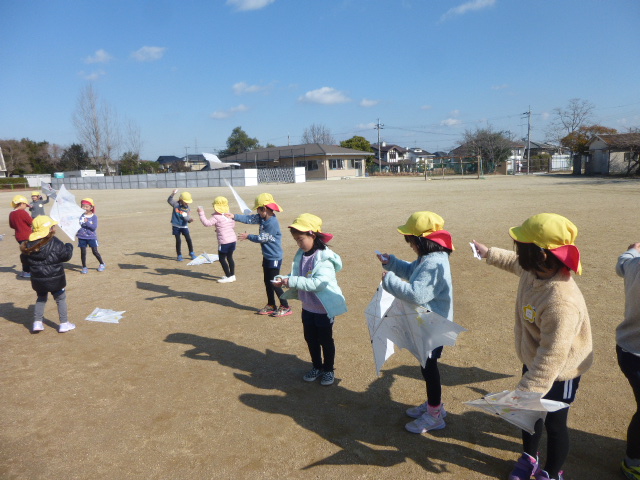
column 425, row 282
column 313, row 281
column 88, row 236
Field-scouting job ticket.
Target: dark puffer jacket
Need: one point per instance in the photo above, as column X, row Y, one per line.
column 45, row 257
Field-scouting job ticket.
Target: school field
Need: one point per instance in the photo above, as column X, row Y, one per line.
column 192, row 384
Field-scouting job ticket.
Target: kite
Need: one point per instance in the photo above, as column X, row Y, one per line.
column 48, row 190
column 105, row 316
column 215, row 162
column 395, row 322
column 522, row 409
column 66, row 212
column 243, row 206
column 203, row 258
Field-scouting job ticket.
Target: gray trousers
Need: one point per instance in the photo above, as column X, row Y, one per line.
column 61, row 300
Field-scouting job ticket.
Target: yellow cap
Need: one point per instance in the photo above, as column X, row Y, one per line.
column 41, row 226
column 309, row 223
column 35, row 193
column 266, row 200
column 88, row 201
column 18, row 199
column 552, row 232
column 221, row 205
column 186, row 197
column 422, row 224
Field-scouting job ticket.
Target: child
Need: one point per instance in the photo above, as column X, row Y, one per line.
column 45, row 254
column 21, row 221
column 552, row 329
column 628, row 351
column 180, row 220
column 313, row 281
column 270, row 240
column 226, row 236
column 37, row 204
column 87, row 235
column 425, row 282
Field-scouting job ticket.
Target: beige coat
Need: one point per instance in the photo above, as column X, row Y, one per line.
column 552, row 328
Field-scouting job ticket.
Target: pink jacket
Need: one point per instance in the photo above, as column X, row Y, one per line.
column 225, row 227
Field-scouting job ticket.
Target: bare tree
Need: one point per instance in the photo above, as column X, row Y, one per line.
column 97, row 127
column 567, row 120
column 132, row 137
column 318, row 133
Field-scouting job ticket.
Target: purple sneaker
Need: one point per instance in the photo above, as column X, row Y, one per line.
column 542, row 475
column 525, row 468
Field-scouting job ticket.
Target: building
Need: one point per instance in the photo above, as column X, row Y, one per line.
column 613, row 153
column 320, row 161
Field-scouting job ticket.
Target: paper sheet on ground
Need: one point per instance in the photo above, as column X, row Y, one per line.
column 243, row 206
column 394, row 322
column 66, row 212
column 204, row 258
column 522, row 409
column 105, row 315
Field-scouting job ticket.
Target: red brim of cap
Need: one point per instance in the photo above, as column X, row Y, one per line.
column 273, row 206
column 570, row 256
column 441, row 237
column 325, row 237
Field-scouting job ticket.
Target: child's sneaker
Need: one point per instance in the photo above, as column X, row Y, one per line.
column 180, row 258
column 25, row 275
column 327, row 378
column 525, row 468
column 542, row 475
column 102, row 267
column 428, row 421
column 230, row 279
column 282, row 312
column 84, row 270
column 65, row 327
column 193, row 255
column 632, row 473
column 312, row 375
column 417, row 412
column 37, row 327
column 266, row 310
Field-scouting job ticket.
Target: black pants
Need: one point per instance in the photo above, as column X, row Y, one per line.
column 318, row 333
column 431, row 375
column 83, row 255
column 630, row 366
column 227, row 263
column 271, row 268
column 23, row 260
column 187, row 237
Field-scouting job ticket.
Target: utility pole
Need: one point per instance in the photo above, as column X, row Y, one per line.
column 378, row 127
column 528, row 114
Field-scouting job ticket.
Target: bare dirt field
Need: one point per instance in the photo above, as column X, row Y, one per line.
column 193, row 385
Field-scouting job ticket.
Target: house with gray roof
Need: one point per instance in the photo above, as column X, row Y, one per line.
column 613, row 153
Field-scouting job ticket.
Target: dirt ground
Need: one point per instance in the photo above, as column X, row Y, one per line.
column 193, row 384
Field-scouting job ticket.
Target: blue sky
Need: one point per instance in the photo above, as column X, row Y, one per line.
column 188, row 72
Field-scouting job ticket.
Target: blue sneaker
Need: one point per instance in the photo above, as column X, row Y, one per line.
column 193, row 255
column 632, row 473
column 102, row 267
column 84, row 270
column 180, row 258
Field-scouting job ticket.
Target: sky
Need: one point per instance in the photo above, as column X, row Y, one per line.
column 186, row 73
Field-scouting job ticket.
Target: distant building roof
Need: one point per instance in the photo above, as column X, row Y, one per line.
column 621, row 140
column 385, row 147
column 164, row 159
column 295, row 151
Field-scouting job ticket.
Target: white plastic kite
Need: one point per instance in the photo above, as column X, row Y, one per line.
column 215, row 162
column 204, row 258
column 48, row 190
column 106, row 316
column 66, row 212
column 243, row 206
column 522, row 409
column 394, row 322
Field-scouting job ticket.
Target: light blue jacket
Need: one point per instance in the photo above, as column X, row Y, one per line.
column 425, row 282
column 322, row 282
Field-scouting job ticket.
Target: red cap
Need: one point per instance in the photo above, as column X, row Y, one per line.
column 441, row 237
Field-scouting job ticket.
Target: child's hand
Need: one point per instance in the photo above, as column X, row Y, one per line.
column 229, row 215
column 243, row 236
column 175, row 191
column 383, row 257
column 481, row 248
column 280, row 282
column 200, row 210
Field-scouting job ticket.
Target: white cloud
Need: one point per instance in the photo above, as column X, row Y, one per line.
column 242, row 87
column 246, row 5
column 92, row 75
column 366, row 102
column 500, row 87
column 324, row 96
column 450, row 122
column 148, row 54
column 467, row 7
column 101, row 56
column 366, row 126
column 426, row 107
column 221, row 114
